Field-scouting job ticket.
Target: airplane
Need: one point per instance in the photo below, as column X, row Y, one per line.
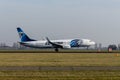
column 55, row 44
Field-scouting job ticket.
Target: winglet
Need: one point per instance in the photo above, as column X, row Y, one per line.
column 48, row 40
column 55, row 45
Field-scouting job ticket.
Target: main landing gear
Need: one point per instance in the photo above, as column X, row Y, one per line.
column 56, row 49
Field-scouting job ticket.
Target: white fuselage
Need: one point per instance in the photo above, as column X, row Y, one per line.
column 66, row 43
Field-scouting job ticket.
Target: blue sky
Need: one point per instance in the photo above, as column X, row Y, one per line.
column 98, row 20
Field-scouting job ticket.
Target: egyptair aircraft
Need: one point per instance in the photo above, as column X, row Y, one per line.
column 55, row 44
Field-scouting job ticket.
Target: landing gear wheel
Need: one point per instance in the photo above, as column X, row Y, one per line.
column 56, row 50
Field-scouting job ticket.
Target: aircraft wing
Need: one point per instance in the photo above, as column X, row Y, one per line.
column 55, row 45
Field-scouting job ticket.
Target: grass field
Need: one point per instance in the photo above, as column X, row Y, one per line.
column 59, row 59
column 60, row 75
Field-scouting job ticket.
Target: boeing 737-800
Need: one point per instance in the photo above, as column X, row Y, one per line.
column 56, row 44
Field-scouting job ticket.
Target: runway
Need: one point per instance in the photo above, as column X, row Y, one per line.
column 53, row 68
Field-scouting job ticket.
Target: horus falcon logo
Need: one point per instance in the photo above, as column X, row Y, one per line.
column 21, row 34
column 74, row 43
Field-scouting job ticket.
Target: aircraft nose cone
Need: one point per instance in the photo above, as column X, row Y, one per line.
column 93, row 43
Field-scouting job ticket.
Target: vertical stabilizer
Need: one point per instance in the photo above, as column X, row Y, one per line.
column 23, row 36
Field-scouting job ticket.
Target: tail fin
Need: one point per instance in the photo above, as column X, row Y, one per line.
column 23, row 36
